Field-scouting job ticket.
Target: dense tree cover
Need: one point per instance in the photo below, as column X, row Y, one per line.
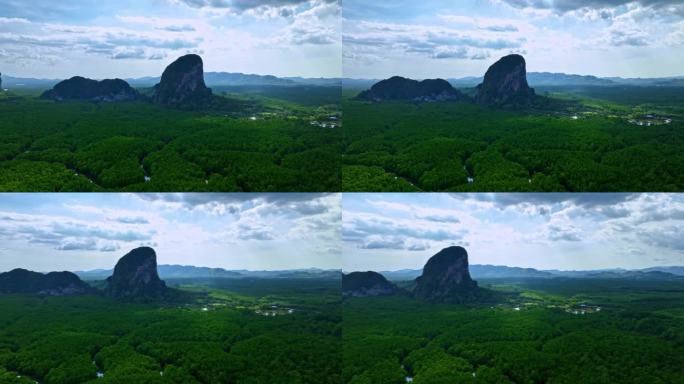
column 638, row 337
column 359, row 178
column 75, row 339
column 395, row 146
column 135, row 146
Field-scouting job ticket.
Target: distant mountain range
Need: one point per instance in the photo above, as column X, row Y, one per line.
column 499, row 271
column 212, row 79
column 192, row 272
column 236, row 79
column 542, row 79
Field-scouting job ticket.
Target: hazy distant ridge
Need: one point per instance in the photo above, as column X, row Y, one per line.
column 540, row 79
column 189, row 272
column 479, row 271
column 213, row 79
column 237, row 79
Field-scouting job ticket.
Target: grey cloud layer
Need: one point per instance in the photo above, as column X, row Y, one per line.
column 312, row 22
column 580, row 199
column 307, row 223
column 65, row 235
column 358, row 228
column 637, row 219
column 378, row 39
column 132, row 220
column 309, row 215
column 75, row 30
column 671, row 237
column 242, row 4
column 571, row 5
column 276, row 203
column 640, row 222
column 374, row 232
column 434, row 42
column 56, row 39
column 280, row 8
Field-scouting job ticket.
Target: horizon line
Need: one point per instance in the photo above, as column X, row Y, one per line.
column 155, row 76
column 184, row 265
column 561, row 73
column 537, row 269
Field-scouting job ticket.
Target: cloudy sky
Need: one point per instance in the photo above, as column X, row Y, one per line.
column 46, row 232
column 546, row 231
column 134, row 38
column 440, row 38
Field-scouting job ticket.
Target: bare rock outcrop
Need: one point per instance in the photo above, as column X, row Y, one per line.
column 182, row 84
column 445, row 276
column 505, row 84
column 81, row 88
column 362, row 284
column 399, row 88
column 51, row 284
column 135, row 276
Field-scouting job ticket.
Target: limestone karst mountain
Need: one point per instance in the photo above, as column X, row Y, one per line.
column 52, row 284
column 362, row 284
column 399, row 88
column 182, row 84
column 446, row 276
column 81, row 88
column 505, row 84
column 135, row 276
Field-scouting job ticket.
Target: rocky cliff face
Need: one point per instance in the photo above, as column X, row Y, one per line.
column 505, row 84
column 445, row 276
column 403, row 89
column 362, row 284
column 182, row 84
column 135, row 276
column 80, row 88
column 53, row 283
